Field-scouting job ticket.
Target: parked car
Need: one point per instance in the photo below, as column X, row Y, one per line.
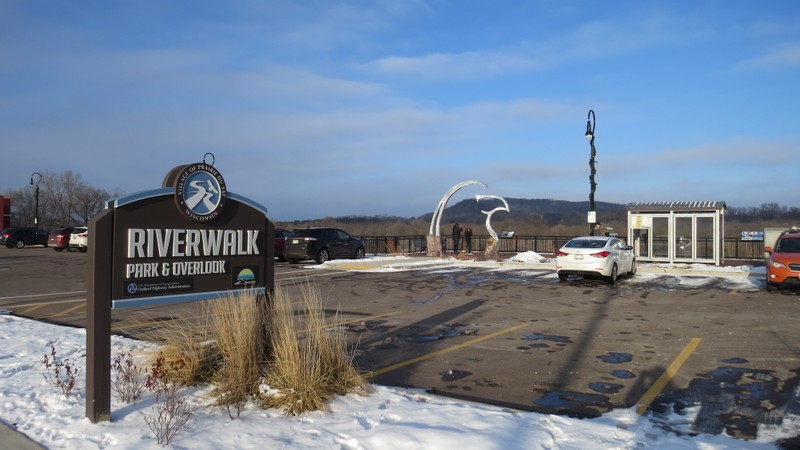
column 58, row 239
column 20, row 237
column 280, row 242
column 321, row 244
column 79, row 239
column 606, row 256
column 783, row 263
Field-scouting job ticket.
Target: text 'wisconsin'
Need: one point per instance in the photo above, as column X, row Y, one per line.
column 177, row 243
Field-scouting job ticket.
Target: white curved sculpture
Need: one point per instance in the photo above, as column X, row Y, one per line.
column 437, row 215
column 479, row 197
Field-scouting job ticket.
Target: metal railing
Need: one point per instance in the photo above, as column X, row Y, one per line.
column 734, row 248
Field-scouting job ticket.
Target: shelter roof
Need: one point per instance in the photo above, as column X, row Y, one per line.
column 700, row 206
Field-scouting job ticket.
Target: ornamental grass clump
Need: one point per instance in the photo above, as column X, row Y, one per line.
column 237, row 329
column 309, row 361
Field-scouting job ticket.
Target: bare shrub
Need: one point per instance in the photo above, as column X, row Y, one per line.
column 171, row 413
column 129, row 380
column 237, row 328
column 309, row 362
column 60, row 372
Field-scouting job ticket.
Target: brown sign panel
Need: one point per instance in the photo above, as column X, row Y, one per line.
column 162, row 256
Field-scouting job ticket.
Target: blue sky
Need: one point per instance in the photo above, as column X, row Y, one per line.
column 332, row 108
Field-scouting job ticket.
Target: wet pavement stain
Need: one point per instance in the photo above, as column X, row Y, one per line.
column 606, row 388
column 475, row 278
column 574, row 404
column 623, row 374
column 546, row 337
column 734, row 361
column 616, row 357
column 420, row 338
column 731, row 399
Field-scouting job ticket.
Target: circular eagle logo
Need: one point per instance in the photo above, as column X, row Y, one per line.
column 200, row 192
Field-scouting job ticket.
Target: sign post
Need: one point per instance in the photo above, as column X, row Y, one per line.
column 190, row 240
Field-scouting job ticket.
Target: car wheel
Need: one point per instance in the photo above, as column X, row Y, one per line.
column 322, row 256
column 293, row 261
column 84, row 249
column 633, row 268
column 19, row 244
column 562, row 277
column 614, row 273
column 359, row 253
column 58, row 249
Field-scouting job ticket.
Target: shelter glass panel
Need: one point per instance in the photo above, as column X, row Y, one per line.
column 684, row 237
column 705, row 237
column 660, row 237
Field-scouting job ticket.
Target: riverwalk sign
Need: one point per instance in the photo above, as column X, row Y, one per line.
column 190, row 240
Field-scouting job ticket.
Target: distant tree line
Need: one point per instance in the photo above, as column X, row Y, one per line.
column 64, row 200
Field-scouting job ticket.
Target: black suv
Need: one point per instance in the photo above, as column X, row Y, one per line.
column 321, row 244
column 20, row 237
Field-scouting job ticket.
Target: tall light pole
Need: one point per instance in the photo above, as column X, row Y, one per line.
column 38, row 177
column 592, row 216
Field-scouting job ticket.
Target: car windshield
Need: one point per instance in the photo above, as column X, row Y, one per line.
column 788, row 245
column 586, row 243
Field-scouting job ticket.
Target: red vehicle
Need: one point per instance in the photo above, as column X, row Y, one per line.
column 59, row 238
column 783, row 263
column 280, row 242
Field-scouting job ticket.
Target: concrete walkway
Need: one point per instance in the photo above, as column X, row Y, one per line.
column 13, row 439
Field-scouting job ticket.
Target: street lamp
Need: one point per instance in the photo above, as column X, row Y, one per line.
column 38, row 178
column 592, row 216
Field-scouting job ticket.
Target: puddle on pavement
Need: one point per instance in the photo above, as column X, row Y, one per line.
column 623, row 374
column 574, row 404
column 734, row 400
column 616, row 357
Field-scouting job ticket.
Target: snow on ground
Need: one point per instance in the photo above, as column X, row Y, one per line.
column 388, row 418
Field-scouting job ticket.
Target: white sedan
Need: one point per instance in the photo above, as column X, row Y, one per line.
column 79, row 239
column 595, row 255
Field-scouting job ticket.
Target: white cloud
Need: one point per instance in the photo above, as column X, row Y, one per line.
column 786, row 56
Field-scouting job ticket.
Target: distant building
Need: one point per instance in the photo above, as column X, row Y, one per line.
column 5, row 212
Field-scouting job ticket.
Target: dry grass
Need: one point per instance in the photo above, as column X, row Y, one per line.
column 310, row 363
column 188, row 351
column 237, row 328
column 243, row 343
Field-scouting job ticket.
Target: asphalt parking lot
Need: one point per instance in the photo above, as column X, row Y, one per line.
column 514, row 335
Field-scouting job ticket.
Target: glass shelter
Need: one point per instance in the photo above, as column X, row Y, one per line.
column 677, row 231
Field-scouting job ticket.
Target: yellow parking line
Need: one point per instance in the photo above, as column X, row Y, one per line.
column 661, row 382
column 69, row 310
column 443, row 351
column 33, row 308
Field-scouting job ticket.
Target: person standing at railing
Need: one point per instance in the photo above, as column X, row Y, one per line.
column 468, row 240
column 456, row 237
